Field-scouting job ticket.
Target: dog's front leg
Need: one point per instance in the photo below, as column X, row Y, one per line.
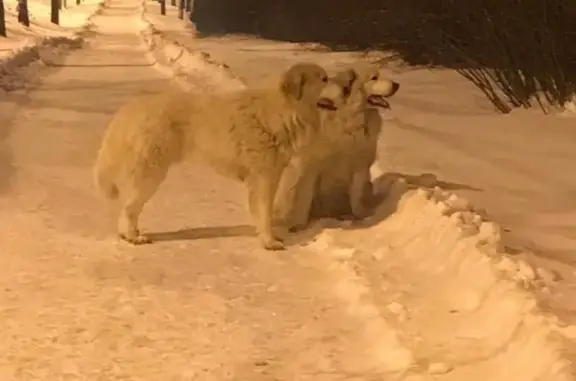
column 305, row 193
column 293, row 199
column 261, row 193
column 286, row 193
column 357, row 191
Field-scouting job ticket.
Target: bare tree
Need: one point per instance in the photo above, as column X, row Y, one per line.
column 55, row 11
column 22, row 9
column 181, row 7
column 2, row 19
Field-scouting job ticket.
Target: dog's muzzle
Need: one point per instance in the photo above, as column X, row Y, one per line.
column 378, row 101
column 327, row 104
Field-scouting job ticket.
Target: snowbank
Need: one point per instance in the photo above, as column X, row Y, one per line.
column 24, row 45
column 441, row 275
column 191, row 69
column 427, row 266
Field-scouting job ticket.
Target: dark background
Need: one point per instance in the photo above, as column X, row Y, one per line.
column 519, row 52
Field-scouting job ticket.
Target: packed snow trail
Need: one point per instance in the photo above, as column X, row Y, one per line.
column 513, row 167
column 411, row 295
column 76, row 304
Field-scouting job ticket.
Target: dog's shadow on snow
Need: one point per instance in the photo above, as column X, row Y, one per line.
column 390, row 187
column 204, row 233
column 387, row 195
column 388, row 191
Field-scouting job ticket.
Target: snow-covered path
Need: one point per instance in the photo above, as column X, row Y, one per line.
column 408, row 298
column 515, row 167
column 75, row 304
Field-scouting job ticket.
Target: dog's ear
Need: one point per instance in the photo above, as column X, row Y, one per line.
column 351, row 76
column 293, row 82
column 347, row 78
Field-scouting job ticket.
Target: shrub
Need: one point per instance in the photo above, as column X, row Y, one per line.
column 518, row 52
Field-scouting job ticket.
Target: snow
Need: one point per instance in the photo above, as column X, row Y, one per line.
column 514, row 166
column 421, row 291
column 22, row 40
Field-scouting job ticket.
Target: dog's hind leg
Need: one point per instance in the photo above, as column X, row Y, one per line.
column 135, row 195
column 262, row 188
column 128, row 220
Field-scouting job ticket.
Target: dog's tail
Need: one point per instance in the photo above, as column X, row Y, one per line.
column 104, row 178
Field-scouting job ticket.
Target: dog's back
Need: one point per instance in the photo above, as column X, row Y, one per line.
column 228, row 131
column 142, row 131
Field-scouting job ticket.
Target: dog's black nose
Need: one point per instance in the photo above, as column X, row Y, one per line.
column 327, row 103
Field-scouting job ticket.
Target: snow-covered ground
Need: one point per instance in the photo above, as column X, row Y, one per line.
column 516, row 167
column 19, row 37
column 422, row 291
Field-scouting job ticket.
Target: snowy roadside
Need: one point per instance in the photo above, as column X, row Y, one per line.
column 196, row 71
column 190, row 69
column 427, row 263
column 23, row 45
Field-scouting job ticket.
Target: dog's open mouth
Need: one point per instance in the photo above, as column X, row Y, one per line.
column 327, row 104
column 378, row 101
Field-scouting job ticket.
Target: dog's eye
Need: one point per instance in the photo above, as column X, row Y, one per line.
column 374, row 78
column 324, row 79
column 346, row 90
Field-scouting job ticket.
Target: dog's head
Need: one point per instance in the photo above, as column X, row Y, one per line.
column 304, row 82
column 377, row 88
column 362, row 83
column 338, row 90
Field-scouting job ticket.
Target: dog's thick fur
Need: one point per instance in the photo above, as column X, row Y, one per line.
column 249, row 136
column 333, row 180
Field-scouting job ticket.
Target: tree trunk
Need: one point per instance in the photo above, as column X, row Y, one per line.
column 181, row 7
column 78, row 2
column 55, row 11
column 23, row 16
column 163, row 7
column 2, row 19
column 188, row 6
column 173, row 3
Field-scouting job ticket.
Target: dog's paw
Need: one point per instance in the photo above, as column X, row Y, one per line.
column 356, row 217
column 281, row 232
column 298, row 228
column 273, row 244
column 348, row 217
column 361, row 213
column 139, row 239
